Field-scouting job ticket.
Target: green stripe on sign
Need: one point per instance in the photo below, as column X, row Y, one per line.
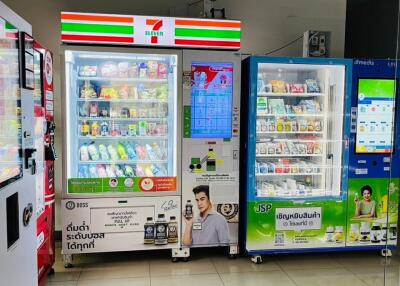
column 97, row 28
column 204, row 33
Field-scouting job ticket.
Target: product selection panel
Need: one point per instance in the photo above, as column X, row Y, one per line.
column 373, row 113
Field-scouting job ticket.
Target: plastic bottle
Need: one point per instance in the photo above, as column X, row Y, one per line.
column 139, row 171
column 101, row 171
column 365, row 233
column 148, row 172
column 129, row 171
column 150, row 152
column 155, row 170
column 93, row 152
column 339, row 236
column 189, row 209
column 95, row 129
column 130, row 151
column 172, row 230
column 84, row 171
column 354, row 233
column 85, row 128
column 93, row 171
column 161, row 227
column 384, row 233
column 110, row 170
column 113, row 153
column 122, row 152
column 119, row 172
column 376, row 233
column 149, row 231
column 104, row 131
column 141, row 152
column 329, row 234
column 393, row 231
column 103, row 152
column 84, row 154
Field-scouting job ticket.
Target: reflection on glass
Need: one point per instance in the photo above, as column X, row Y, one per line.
column 10, row 104
column 299, row 130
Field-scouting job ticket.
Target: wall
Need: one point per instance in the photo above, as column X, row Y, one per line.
column 267, row 25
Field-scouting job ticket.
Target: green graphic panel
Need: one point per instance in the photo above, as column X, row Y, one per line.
column 103, row 185
column 286, row 225
column 384, row 201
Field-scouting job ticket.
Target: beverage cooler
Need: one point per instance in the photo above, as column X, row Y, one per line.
column 130, row 130
column 296, row 142
column 121, row 143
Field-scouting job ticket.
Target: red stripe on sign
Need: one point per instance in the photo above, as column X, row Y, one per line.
column 103, row 39
column 207, row 43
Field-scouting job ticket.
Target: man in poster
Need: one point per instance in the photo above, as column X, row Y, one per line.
column 210, row 228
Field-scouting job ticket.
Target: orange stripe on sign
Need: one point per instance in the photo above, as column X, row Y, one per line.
column 151, row 21
column 207, row 23
column 100, row 18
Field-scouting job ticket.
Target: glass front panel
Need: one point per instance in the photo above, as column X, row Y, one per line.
column 121, row 115
column 299, row 130
column 10, row 105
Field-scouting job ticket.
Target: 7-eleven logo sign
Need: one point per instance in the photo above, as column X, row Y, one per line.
column 154, row 33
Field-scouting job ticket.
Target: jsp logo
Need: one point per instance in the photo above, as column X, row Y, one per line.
column 262, row 208
column 70, row 205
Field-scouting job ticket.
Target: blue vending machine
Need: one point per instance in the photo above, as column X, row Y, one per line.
column 373, row 187
column 295, row 139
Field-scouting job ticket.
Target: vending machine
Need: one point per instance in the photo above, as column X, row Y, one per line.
column 45, row 156
column 17, row 164
column 373, row 188
column 296, row 144
column 127, row 106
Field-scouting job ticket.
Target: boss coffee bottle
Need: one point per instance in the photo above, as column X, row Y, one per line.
column 149, row 231
column 161, row 227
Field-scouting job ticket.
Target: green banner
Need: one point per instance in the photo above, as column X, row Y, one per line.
column 287, row 224
column 103, row 185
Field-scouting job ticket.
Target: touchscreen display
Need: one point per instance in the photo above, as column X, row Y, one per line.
column 211, row 92
column 375, row 115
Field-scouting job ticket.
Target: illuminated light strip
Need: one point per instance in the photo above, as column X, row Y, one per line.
column 96, row 17
column 200, row 33
column 207, row 23
column 208, row 39
column 222, row 44
column 97, row 39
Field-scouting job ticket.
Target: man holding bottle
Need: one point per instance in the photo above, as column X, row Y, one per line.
column 210, row 228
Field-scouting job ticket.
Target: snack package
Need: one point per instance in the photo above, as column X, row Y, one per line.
column 123, row 69
column 297, row 88
column 162, row 71
column 278, row 86
column 109, row 69
column 312, row 86
column 142, row 70
column 88, row 91
column 123, row 92
column 88, row 71
column 152, row 69
column 84, row 109
column 108, row 93
column 94, row 109
column 133, row 70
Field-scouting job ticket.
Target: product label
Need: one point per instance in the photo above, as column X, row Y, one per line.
column 149, row 232
column 298, row 218
column 161, row 233
column 172, row 231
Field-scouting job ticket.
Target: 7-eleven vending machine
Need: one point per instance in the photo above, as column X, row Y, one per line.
column 144, row 126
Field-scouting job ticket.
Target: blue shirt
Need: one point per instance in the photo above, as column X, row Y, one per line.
column 214, row 230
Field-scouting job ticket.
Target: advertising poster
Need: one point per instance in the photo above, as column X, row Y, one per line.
column 120, row 224
column 288, row 225
column 372, row 211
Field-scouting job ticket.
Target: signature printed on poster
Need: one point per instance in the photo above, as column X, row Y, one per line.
column 169, row 205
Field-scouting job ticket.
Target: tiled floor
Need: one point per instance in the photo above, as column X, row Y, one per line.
column 209, row 268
